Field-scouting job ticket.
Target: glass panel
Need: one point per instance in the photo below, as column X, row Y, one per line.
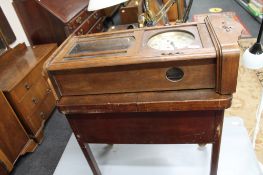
column 102, row 45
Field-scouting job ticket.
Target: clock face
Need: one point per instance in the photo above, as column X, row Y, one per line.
column 171, row 40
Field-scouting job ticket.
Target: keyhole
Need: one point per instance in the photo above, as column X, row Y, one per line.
column 174, row 74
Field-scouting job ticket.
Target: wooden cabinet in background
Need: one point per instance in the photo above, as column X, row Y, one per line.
column 130, row 12
column 25, row 87
column 49, row 21
column 14, row 140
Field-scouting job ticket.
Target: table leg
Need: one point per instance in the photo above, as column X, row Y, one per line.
column 258, row 118
column 217, row 143
column 90, row 158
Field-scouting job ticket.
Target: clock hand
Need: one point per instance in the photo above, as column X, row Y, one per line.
column 172, row 43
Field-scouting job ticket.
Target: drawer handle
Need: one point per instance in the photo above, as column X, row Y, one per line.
column 79, row 20
column 80, row 32
column 95, row 16
column 42, row 115
column 48, row 91
column 70, row 27
column 27, row 86
column 98, row 27
column 35, row 100
column 174, row 74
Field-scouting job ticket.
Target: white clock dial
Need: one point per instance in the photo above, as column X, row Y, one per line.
column 171, row 40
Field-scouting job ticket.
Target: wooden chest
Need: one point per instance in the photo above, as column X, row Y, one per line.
column 26, row 88
column 161, row 85
column 133, row 61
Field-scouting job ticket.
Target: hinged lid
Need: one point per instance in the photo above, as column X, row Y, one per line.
column 64, row 10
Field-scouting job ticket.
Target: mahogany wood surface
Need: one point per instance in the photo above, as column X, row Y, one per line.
column 145, row 128
column 130, row 12
column 192, row 100
column 14, row 140
column 3, row 170
column 217, row 142
column 89, row 22
column 64, row 10
column 5, row 163
column 26, row 89
column 178, row 127
column 40, row 26
column 212, row 64
column 49, row 21
column 136, row 79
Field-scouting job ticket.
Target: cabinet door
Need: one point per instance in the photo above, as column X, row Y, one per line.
column 13, row 137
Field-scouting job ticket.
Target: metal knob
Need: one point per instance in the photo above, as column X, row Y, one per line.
column 27, row 86
column 80, row 32
column 35, row 100
column 42, row 115
column 79, row 20
column 48, row 91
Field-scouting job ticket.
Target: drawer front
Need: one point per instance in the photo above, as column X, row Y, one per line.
column 42, row 112
column 145, row 128
column 33, row 98
column 48, row 105
column 18, row 93
column 98, row 27
column 77, row 21
column 34, row 123
column 137, row 79
column 89, row 23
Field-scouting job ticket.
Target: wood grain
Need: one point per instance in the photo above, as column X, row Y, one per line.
column 25, row 87
column 13, row 142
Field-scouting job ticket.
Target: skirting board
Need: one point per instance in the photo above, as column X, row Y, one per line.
column 236, row 158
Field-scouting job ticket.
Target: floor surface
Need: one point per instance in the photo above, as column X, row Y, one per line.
column 57, row 131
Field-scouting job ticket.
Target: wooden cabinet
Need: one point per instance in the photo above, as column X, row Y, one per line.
column 130, row 12
column 14, row 140
column 49, row 21
column 134, row 87
column 25, row 87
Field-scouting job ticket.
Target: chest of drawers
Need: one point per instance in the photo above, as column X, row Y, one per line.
column 26, row 88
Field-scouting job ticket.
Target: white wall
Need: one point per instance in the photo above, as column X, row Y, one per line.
column 13, row 20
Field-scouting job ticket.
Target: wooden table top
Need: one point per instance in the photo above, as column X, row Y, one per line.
column 183, row 100
column 18, row 62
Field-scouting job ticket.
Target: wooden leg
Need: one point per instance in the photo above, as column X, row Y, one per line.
column 215, row 158
column 90, row 158
column 217, row 142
